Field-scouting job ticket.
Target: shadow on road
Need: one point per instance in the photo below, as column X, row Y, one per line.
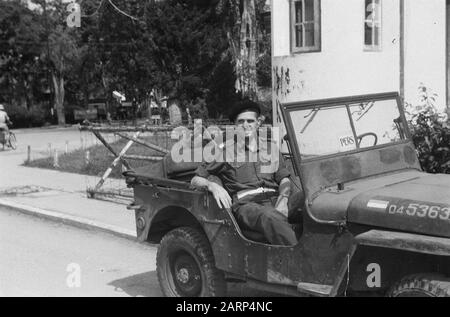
column 146, row 285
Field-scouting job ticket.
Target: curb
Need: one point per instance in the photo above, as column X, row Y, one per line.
column 48, row 128
column 69, row 220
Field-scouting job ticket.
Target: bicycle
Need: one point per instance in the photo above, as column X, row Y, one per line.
column 8, row 139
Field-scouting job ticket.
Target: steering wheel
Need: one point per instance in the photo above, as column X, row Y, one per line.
column 362, row 136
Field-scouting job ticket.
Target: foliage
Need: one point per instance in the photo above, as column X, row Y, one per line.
column 179, row 47
column 22, row 71
column 35, row 116
column 431, row 133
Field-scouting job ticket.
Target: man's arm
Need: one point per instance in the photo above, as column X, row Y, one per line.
column 221, row 196
column 283, row 198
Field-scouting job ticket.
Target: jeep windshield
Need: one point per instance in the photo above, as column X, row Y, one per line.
column 329, row 129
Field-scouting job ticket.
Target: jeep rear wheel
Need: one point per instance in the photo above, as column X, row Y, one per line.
column 186, row 266
column 423, row 285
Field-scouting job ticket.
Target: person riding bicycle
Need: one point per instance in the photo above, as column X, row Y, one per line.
column 4, row 120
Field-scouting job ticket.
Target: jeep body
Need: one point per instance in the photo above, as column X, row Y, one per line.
column 373, row 222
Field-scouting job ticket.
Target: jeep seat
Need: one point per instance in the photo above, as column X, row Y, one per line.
column 255, row 236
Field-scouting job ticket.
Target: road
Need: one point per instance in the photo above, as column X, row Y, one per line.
column 39, row 139
column 40, row 258
column 12, row 174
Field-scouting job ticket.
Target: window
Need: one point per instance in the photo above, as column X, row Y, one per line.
column 372, row 25
column 305, row 25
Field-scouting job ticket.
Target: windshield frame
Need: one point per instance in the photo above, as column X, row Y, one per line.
column 345, row 102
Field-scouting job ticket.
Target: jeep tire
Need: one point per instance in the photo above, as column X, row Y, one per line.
column 421, row 285
column 186, row 267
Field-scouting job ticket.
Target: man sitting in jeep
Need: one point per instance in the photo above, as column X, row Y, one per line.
column 246, row 190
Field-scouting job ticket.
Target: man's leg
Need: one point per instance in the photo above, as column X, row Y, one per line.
column 3, row 137
column 266, row 220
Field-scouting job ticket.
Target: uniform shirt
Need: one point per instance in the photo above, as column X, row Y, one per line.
column 238, row 176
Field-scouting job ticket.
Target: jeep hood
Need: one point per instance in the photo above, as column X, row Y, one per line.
column 410, row 201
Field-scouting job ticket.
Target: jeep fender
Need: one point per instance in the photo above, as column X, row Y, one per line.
column 405, row 241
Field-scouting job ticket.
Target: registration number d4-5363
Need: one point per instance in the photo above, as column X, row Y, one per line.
column 420, row 210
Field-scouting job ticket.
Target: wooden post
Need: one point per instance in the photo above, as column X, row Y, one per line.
column 149, row 145
column 28, row 154
column 100, row 137
column 116, row 161
column 87, row 157
column 66, row 150
column 55, row 159
column 49, row 149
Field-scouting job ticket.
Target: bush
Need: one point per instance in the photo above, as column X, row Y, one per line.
column 27, row 118
column 430, row 133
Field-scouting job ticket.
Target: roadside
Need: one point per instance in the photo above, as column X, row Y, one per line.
column 95, row 159
column 51, row 128
column 57, row 195
column 38, row 257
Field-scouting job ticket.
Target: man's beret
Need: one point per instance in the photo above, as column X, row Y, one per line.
column 244, row 106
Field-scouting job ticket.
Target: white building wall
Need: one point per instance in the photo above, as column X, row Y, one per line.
column 425, row 49
column 342, row 67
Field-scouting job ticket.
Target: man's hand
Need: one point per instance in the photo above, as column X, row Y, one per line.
column 221, row 196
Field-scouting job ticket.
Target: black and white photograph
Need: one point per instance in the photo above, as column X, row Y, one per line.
column 243, row 151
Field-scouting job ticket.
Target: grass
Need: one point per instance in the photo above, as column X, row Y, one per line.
column 100, row 158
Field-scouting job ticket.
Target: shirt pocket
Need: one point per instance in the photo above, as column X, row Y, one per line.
column 237, row 165
column 244, row 173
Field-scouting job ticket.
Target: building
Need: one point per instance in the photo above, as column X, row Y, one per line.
column 335, row 48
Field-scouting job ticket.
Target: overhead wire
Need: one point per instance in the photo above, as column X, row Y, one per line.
column 122, row 12
column 95, row 12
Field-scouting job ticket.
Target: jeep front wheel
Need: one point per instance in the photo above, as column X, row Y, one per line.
column 423, row 285
column 186, row 266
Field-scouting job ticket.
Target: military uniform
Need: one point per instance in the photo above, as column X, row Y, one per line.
column 253, row 193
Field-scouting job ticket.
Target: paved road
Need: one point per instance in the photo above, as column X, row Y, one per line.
column 39, row 258
column 39, row 139
column 14, row 175
column 36, row 257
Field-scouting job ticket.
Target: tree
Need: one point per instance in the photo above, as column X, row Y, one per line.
column 62, row 50
column 21, row 65
column 65, row 55
column 243, row 32
column 173, row 46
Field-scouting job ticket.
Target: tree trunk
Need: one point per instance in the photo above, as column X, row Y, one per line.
column 244, row 48
column 58, row 83
column 29, row 95
column 110, row 105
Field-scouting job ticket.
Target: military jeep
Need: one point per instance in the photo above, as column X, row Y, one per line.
column 372, row 222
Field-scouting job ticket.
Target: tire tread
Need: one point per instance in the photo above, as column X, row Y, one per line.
column 216, row 285
column 430, row 284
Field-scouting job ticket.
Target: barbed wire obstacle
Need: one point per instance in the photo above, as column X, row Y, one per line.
column 134, row 135
column 116, row 193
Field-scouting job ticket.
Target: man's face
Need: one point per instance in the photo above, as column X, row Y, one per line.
column 249, row 122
